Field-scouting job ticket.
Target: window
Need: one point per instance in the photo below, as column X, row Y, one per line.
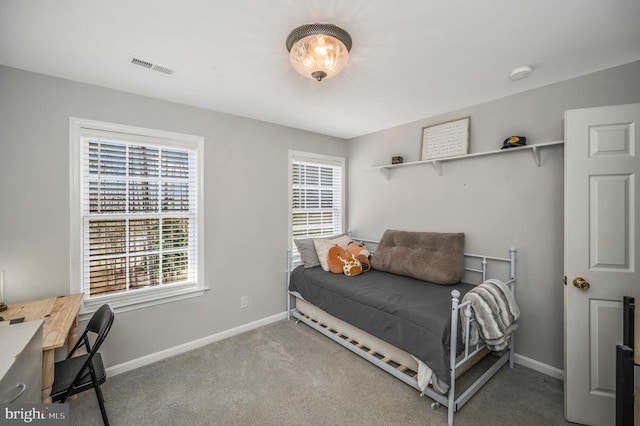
column 317, row 196
column 136, row 213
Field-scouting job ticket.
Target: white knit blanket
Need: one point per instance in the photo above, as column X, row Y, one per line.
column 496, row 314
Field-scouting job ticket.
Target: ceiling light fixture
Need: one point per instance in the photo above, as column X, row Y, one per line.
column 318, row 51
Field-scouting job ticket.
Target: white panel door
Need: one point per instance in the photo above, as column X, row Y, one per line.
column 601, row 252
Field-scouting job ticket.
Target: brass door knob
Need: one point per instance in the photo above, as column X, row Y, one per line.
column 581, row 283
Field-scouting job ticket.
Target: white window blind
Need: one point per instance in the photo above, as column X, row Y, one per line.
column 139, row 213
column 317, row 196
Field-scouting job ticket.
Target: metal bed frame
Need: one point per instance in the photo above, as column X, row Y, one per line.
column 448, row 400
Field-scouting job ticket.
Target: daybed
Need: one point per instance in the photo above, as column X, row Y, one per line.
column 407, row 326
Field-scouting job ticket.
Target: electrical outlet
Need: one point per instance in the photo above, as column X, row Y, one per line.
column 244, row 302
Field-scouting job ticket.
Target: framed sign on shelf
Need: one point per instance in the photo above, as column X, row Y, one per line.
column 445, row 139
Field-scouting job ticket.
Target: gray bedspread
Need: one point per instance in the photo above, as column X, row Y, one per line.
column 410, row 314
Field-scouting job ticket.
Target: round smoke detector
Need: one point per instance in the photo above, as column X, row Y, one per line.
column 520, row 73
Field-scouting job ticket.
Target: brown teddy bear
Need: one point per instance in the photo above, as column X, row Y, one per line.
column 341, row 262
column 333, row 259
column 360, row 252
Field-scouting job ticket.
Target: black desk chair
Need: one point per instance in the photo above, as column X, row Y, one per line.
column 75, row 375
column 625, row 367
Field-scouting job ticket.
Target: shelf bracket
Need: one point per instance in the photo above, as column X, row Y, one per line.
column 536, row 154
column 386, row 172
column 438, row 166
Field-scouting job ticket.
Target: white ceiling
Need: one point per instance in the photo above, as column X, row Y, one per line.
column 411, row 59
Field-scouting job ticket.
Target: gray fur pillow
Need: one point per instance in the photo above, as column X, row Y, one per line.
column 428, row 256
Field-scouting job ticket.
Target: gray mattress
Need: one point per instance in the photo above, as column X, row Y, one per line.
column 410, row 314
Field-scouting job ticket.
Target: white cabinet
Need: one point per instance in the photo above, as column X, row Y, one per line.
column 21, row 362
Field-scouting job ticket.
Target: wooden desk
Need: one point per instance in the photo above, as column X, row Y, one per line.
column 60, row 315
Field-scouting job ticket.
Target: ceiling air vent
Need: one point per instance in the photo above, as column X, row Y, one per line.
column 163, row 69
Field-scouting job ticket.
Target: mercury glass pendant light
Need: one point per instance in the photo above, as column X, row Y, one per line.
column 318, row 51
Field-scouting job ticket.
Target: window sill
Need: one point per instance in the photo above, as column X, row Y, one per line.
column 130, row 302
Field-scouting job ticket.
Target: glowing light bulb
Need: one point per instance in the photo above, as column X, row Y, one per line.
column 318, row 51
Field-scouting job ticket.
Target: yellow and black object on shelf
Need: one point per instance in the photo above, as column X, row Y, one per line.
column 513, row 141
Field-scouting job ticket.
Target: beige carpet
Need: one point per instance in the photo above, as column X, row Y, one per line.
column 288, row 374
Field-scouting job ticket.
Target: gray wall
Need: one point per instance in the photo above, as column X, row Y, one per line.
column 498, row 201
column 245, row 205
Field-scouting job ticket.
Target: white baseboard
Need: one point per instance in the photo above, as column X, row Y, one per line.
column 176, row 350
column 539, row 366
column 185, row 347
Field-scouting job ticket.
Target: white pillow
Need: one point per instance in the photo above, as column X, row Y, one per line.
column 323, row 245
column 343, row 241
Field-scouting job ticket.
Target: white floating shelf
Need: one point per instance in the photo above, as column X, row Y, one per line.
column 437, row 163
